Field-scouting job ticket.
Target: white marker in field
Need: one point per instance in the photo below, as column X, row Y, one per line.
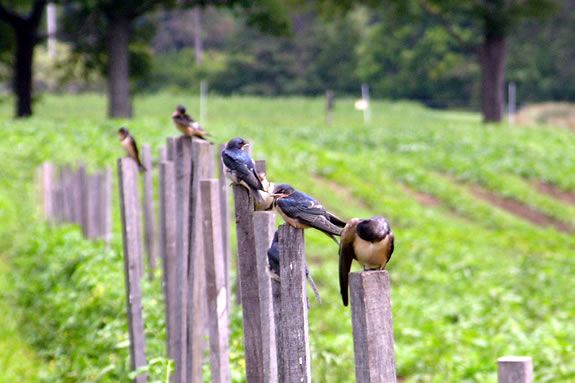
column 363, row 104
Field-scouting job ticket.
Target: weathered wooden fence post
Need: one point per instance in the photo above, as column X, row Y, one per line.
column 264, row 228
column 183, row 168
column 372, row 327
column 202, row 168
column 92, row 197
column 47, row 191
column 515, row 369
column 225, row 211
column 79, row 177
column 65, row 184
column 163, row 154
column 277, row 301
column 295, row 363
column 69, row 183
column 107, row 206
column 129, row 204
column 171, row 143
column 83, row 188
column 329, row 103
column 218, row 303
column 58, row 200
column 148, row 208
column 244, row 210
column 168, row 249
column 99, row 207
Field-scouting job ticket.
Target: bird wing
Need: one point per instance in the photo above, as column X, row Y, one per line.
column 336, row 220
column 392, row 245
column 243, row 166
column 346, row 256
column 274, row 255
column 129, row 143
column 309, row 212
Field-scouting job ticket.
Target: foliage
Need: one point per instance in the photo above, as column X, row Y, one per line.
column 401, row 54
column 539, row 58
column 470, row 281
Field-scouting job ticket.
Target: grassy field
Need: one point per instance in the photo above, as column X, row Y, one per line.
column 471, row 281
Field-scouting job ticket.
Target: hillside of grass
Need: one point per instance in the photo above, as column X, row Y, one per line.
column 471, row 281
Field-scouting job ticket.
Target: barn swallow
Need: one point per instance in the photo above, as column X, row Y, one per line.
column 302, row 211
column 239, row 166
column 274, row 262
column 129, row 143
column 187, row 125
column 370, row 242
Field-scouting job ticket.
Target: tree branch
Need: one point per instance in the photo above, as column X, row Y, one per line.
column 10, row 16
column 144, row 7
column 36, row 13
column 458, row 37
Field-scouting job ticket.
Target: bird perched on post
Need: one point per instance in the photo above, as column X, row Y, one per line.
column 370, row 242
column 274, row 262
column 129, row 143
column 239, row 166
column 302, row 211
column 187, row 125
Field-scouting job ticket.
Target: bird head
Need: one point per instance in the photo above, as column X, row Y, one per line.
column 237, row 143
column 373, row 229
column 180, row 111
column 282, row 190
column 122, row 133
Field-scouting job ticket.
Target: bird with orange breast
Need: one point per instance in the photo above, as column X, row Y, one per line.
column 129, row 143
column 187, row 125
column 370, row 242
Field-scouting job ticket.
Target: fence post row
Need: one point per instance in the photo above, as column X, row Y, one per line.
column 129, row 206
column 372, row 327
column 148, row 208
column 202, row 168
column 194, row 247
column 264, row 227
column 69, row 196
column 294, row 331
column 215, row 280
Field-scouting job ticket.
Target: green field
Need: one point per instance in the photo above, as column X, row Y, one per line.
column 471, row 282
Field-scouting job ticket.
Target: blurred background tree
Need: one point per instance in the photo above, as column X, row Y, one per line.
column 426, row 51
column 115, row 35
column 23, row 19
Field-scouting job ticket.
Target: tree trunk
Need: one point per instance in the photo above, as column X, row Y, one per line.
column 198, row 49
column 24, row 54
column 119, row 99
column 492, row 61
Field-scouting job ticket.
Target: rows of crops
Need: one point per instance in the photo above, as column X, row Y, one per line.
column 471, row 282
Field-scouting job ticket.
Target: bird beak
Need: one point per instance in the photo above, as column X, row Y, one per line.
column 278, row 195
column 175, row 114
column 245, row 145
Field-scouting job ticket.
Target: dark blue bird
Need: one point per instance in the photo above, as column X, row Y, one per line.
column 274, row 262
column 239, row 166
column 302, row 211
